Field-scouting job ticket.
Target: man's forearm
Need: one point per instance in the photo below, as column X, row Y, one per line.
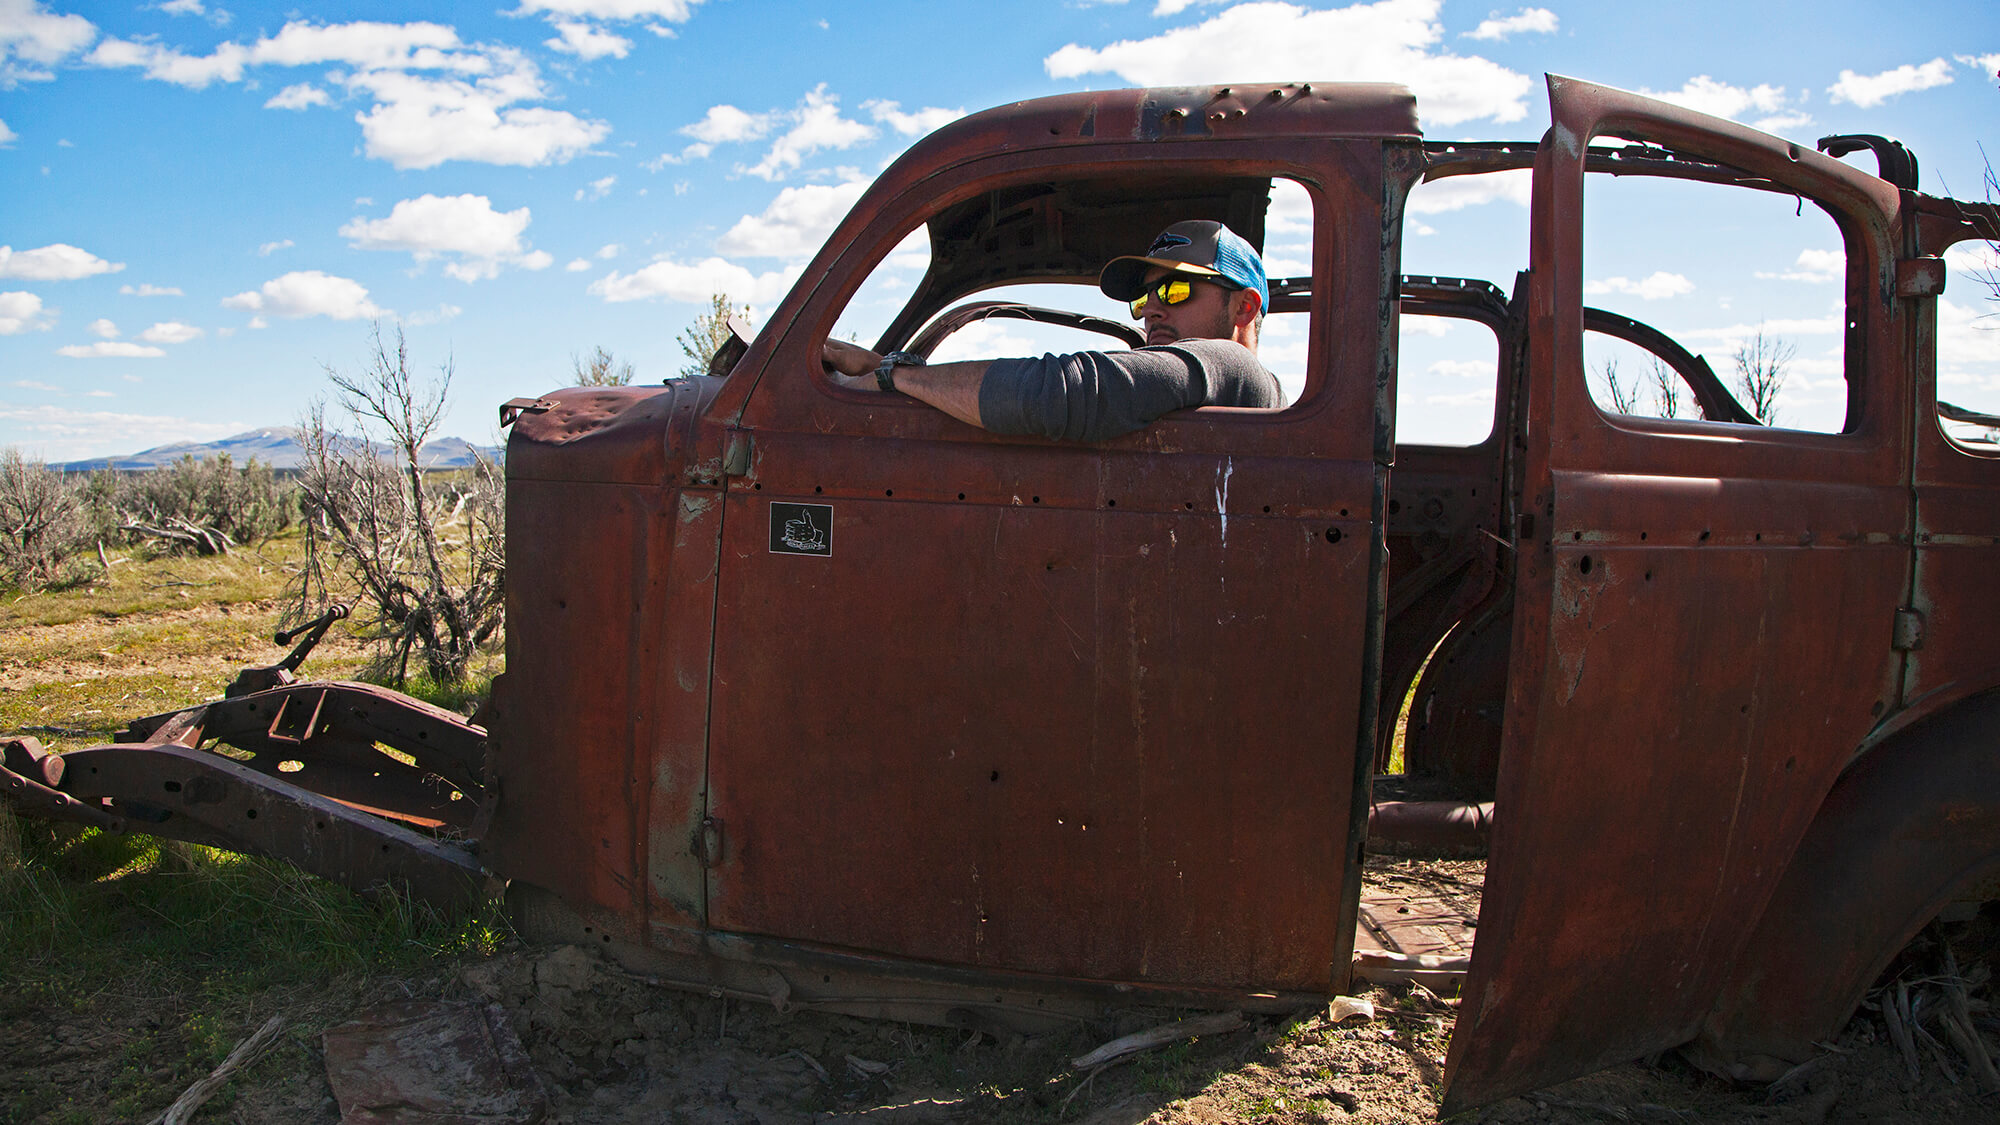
column 951, row 387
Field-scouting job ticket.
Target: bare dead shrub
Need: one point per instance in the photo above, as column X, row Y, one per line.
column 203, row 506
column 1760, row 374
column 1624, row 396
column 420, row 551
column 600, row 370
column 1666, row 389
column 44, row 522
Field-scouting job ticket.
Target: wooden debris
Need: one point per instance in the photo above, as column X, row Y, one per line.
column 1895, row 1008
column 1437, row 974
column 246, row 1052
column 1159, row 1037
column 867, row 1068
column 1345, row 1007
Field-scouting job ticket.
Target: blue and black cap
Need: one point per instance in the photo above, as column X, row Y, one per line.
column 1199, row 247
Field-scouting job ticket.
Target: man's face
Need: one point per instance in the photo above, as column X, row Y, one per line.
column 1205, row 315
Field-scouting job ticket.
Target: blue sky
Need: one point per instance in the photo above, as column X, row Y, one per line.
column 203, row 204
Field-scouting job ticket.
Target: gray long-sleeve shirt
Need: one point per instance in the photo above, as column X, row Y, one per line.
column 1092, row 396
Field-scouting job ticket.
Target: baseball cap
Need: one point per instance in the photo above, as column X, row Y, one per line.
column 1201, row 247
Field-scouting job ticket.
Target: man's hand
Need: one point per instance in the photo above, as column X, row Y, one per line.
column 850, row 365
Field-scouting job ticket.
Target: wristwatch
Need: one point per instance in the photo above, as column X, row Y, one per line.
column 885, row 372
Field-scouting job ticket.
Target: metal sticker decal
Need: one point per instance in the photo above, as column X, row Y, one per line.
column 801, row 529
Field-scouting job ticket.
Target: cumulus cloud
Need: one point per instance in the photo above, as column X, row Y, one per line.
column 1455, row 193
column 110, row 349
column 672, row 11
column 910, row 124
column 478, row 239
column 578, row 265
column 1720, row 99
column 794, row 224
column 33, row 39
column 7, row 136
column 816, row 125
column 270, row 248
column 170, row 332
column 695, row 283
column 299, row 97
column 1527, row 19
column 1389, row 41
column 1812, row 265
column 21, row 312
column 304, row 293
column 1870, row 90
column 1657, row 286
column 586, row 41
column 58, row 261
column 150, row 290
column 103, row 329
column 434, row 98
column 598, row 189
column 67, row 435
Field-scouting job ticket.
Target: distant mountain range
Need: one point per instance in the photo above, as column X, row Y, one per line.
column 276, row 446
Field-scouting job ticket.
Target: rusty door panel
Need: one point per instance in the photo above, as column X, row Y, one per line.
column 987, row 734
column 1704, row 616
column 587, row 732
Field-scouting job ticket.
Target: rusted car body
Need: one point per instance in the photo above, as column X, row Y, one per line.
column 825, row 698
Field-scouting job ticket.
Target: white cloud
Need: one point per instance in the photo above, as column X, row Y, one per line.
column 170, row 332
column 480, row 239
column 33, row 39
column 435, row 99
column 183, row 8
column 696, row 283
column 110, row 349
column 432, row 316
column 724, row 124
column 1812, row 265
column 598, row 189
column 1527, row 19
column 1658, row 286
column 1453, row 193
column 299, row 97
column 58, row 261
column 1990, row 64
column 67, row 435
column 1870, row 90
column 32, row 385
column 577, row 265
column 911, row 124
column 7, row 136
column 270, row 248
column 816, row 124
column 1719, row 99
column 422, row 122
column 304, row 293
column 1166, row 8
column 21, row 312
column 795, row 223
column 673, row 11
column 103, row 329
column 1389, row 41
column 609, row 251
column 586, row 40
column 98, row 394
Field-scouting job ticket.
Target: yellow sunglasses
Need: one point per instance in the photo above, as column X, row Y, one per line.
column 1171, row 291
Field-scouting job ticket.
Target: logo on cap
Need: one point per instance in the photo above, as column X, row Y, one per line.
column 1167, row 241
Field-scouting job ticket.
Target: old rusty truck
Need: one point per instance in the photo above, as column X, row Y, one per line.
column 823, row 698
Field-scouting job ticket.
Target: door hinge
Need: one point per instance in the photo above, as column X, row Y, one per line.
column 708, row 842
column 1920, row 277
column 1909, row 635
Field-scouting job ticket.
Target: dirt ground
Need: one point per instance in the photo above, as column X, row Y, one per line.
column 609, row 1049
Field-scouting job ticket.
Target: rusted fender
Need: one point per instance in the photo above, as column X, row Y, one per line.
column 1911, row 826
column 170, row 790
